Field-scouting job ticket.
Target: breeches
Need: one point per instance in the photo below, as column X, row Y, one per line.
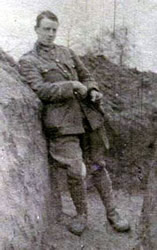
column 75, row 152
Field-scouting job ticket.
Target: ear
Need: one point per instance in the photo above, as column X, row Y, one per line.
column 36, row 29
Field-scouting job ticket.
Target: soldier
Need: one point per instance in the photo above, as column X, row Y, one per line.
column 71, row 117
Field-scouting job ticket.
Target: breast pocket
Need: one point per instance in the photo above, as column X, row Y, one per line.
column 47, row 67
column 70, row 67
column 51, row 73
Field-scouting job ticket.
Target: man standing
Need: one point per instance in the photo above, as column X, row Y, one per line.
column 72, row 119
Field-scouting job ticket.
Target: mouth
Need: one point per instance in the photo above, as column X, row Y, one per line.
column 50, row 40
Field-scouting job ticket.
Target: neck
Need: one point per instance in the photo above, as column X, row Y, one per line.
column 41, row 45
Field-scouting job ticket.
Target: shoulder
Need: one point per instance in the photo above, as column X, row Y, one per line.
column 28, row 57
column 65, row 50
column 61, row 47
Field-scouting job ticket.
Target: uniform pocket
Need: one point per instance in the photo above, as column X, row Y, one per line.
column 55, row 115
column 48, row 67
column 52, row 73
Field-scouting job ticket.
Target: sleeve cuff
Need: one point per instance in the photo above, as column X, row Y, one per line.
column 67, row 91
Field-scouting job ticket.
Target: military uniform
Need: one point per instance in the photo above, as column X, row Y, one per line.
column 69, row 120
column 49, row 73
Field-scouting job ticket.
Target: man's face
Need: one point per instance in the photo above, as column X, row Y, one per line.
column 46, row 32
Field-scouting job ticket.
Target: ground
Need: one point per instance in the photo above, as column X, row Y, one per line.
column 99, row 235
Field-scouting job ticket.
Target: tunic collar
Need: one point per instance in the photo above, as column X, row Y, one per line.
column 41, row 47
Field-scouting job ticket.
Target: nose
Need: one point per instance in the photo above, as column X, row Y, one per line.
column 51, row 33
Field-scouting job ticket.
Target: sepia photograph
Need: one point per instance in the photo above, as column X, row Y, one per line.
column 78, row 125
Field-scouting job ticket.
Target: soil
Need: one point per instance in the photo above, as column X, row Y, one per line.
column 99, row 235
column 130, row 117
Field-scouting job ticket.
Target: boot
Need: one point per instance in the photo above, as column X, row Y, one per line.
column 103, row 184
column 56, row 194
column 118, row 223
column 78, row 193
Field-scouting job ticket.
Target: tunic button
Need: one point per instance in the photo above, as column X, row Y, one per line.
column 57, row 60
column 73, row 66
column 65, row 71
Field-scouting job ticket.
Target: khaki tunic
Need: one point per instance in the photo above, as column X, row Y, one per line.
column 49, row 72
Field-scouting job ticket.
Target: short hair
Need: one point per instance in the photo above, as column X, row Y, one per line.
column 48, row 14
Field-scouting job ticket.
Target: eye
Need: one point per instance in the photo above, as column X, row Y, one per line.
column 47, row 29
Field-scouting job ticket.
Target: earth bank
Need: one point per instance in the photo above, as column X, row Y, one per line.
column 27, row 189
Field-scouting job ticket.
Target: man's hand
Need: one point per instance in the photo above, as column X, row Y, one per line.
column 96, row 96
column 79, row 89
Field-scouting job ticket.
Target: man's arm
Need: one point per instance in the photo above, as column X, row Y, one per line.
column 83, row 73
column 46, row 91
column 86, row 78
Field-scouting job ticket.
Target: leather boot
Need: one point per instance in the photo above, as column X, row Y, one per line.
column 118, row 223
column 103, row 185
column 56, row 194
column 78, row 193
